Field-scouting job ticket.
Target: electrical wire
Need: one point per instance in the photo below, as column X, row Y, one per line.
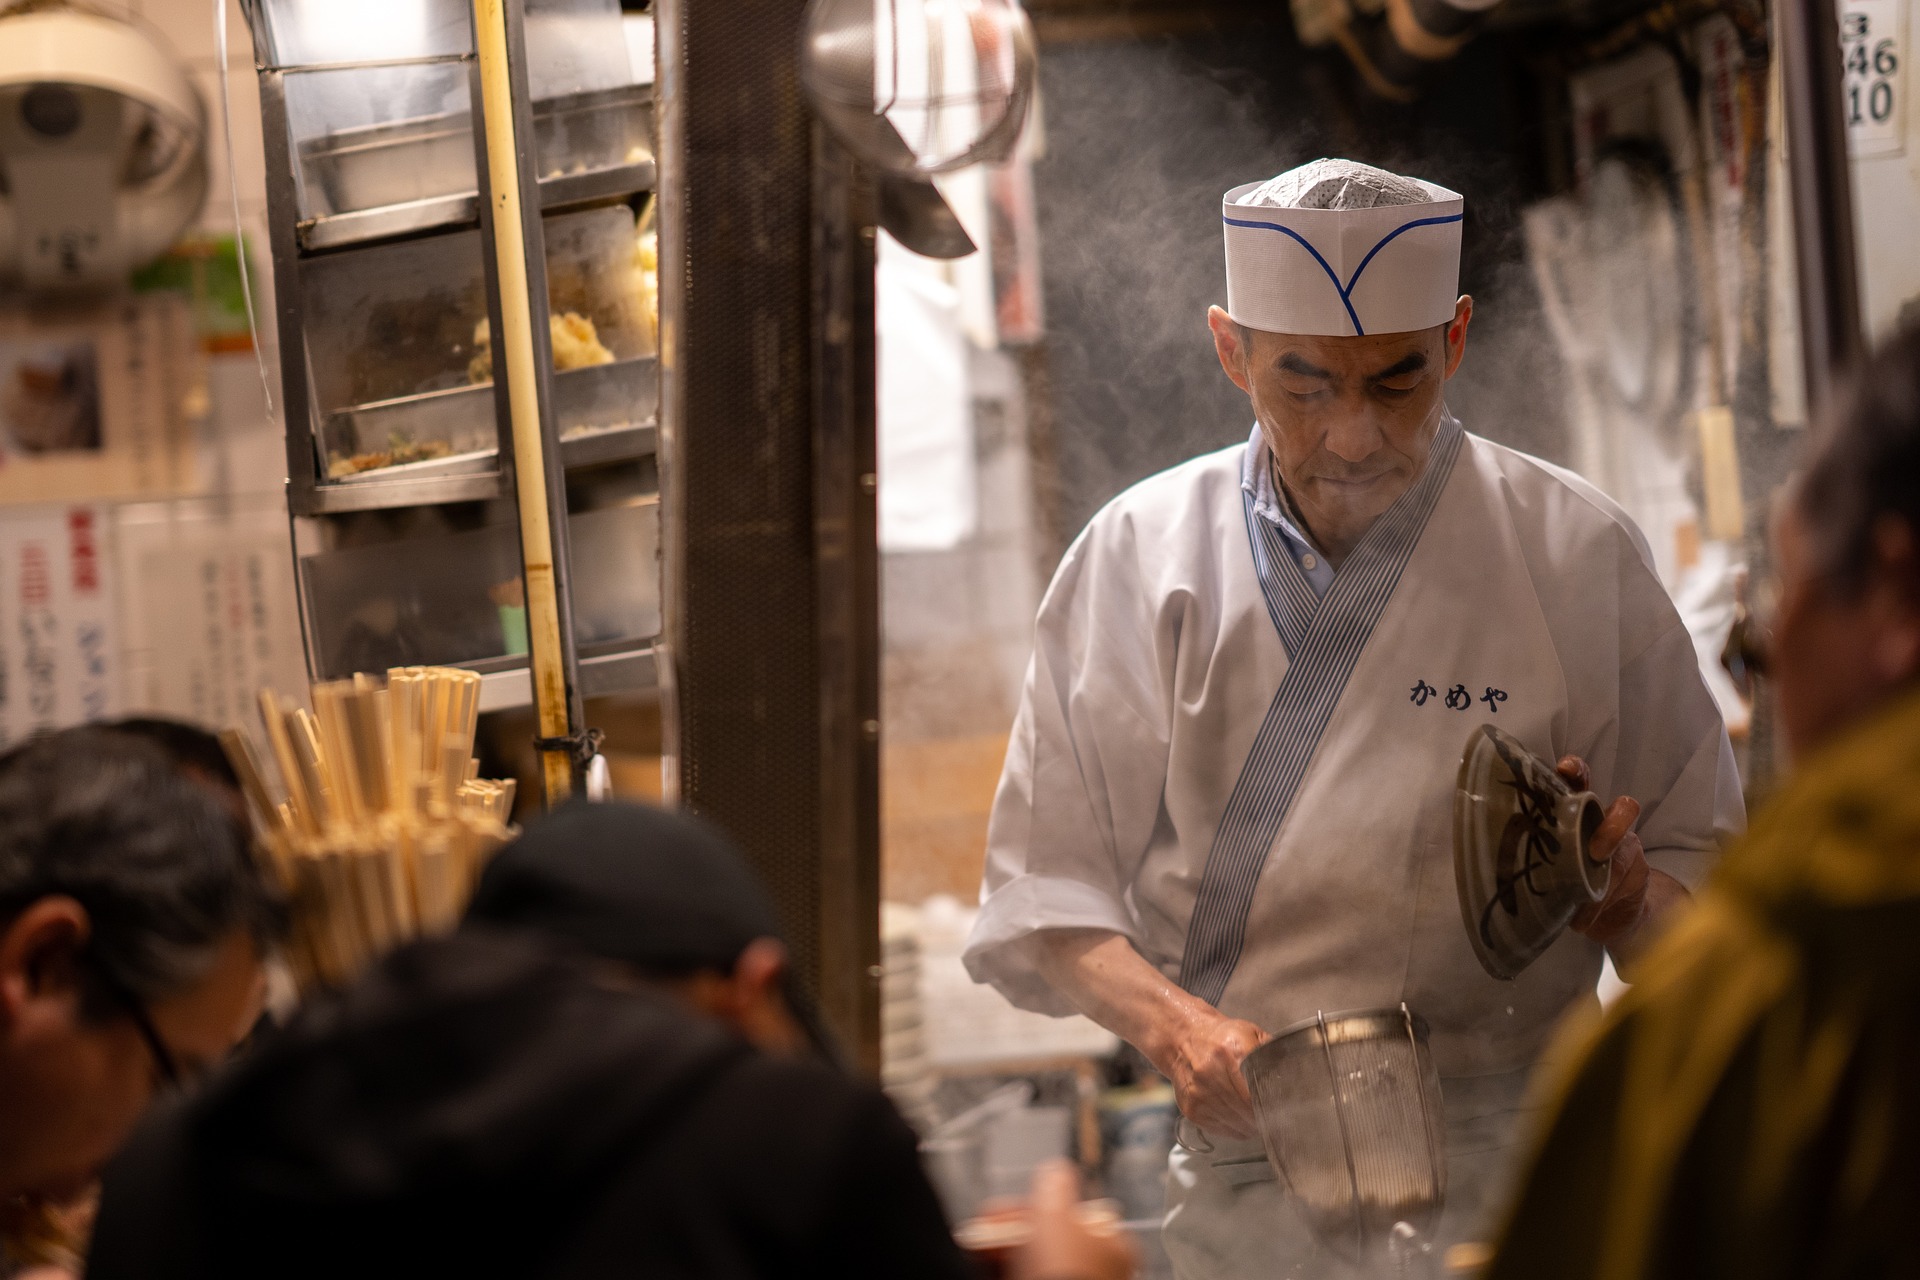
column 233, row 192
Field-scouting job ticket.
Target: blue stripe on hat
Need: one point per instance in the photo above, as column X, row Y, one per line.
column 1345, row 291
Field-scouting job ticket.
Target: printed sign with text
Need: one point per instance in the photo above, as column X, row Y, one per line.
column 1873, row 49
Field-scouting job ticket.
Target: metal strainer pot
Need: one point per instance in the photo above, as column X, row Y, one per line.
column 1349, row 1111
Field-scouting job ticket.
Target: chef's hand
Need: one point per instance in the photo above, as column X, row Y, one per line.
column 1201, row 1054
column 1064, row 1246
column 1636, row 893
column 1188, row 1041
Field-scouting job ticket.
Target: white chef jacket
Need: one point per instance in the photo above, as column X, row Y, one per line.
column 1247, row 768
column 1161, row 747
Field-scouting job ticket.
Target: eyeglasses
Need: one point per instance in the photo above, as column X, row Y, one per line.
column 131, row 1004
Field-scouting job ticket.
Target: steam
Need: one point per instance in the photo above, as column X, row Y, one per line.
column 1142, row 139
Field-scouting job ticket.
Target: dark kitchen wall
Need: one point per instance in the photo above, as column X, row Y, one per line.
column 1144, row 134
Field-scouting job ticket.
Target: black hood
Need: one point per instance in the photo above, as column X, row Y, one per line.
column 663, row 892
column 453, row 1112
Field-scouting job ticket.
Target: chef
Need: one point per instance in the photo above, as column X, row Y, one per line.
column 1227, row 803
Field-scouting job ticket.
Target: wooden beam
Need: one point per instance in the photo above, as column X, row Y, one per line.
column 1086, row 21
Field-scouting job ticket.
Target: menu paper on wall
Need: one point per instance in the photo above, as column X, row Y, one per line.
column 59, row 646
column 217, row 624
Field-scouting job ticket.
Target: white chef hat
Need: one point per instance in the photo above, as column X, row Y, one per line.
column 1340, row 248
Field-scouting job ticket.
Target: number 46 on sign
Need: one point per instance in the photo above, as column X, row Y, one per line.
column 1873, row 41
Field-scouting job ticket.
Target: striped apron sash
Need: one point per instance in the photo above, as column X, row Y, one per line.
column 1323, row 638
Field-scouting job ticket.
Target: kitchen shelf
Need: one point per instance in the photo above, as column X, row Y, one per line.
column 624, row 444
column 452, row 594
column 566, row 189
column 407, row 545
column 505, row 684
column 597, row 448
column 439, row 213
column 382, row 495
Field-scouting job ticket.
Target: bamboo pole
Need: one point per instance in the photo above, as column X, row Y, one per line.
column 514, row 345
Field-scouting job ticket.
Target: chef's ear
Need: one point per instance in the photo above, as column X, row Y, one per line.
column 1230, row 344
column 1456, row 335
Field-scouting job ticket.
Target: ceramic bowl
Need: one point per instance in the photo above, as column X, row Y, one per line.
column 1520, row 840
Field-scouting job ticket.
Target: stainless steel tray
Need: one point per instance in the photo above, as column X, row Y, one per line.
column 396, row 163
column 430, row 158
column 440, row 602
column 336, row 230
column 599, row 398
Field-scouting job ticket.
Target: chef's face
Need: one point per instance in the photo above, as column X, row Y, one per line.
column 1838, row 654
column 1350, row 420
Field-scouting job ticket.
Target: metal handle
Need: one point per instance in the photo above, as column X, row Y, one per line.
column 1436, row 1160
column 1340, row 1114
column 1180, row 1129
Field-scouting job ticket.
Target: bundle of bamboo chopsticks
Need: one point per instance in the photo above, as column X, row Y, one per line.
column 384, row 826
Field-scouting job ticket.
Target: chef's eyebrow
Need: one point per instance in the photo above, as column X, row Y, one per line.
column 1412, row 362
column 1293, row 362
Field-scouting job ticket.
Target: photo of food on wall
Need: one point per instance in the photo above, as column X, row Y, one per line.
column 49, row 396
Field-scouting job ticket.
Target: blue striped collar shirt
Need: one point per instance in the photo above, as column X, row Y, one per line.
column 1270, row 504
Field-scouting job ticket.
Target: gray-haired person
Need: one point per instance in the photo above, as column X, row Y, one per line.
column 1227, row 805
column 132, row 921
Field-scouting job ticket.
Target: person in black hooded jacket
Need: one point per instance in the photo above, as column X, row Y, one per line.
column 602, row 1073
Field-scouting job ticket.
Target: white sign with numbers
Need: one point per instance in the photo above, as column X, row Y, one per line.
column 1873, row 48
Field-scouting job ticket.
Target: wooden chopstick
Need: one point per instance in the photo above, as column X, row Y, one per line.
column 253, row 783
column 386, row 822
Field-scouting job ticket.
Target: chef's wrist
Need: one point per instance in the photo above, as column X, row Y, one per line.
column 1628, row 946
column 1178, row 1020
column 1157, row 1044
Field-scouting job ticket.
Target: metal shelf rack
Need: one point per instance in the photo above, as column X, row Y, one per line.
column 399, row 438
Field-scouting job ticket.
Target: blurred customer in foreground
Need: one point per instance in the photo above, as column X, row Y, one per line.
column 132, row 921
column 601, row 1074
column 196, row 753
column 1751, row 1108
